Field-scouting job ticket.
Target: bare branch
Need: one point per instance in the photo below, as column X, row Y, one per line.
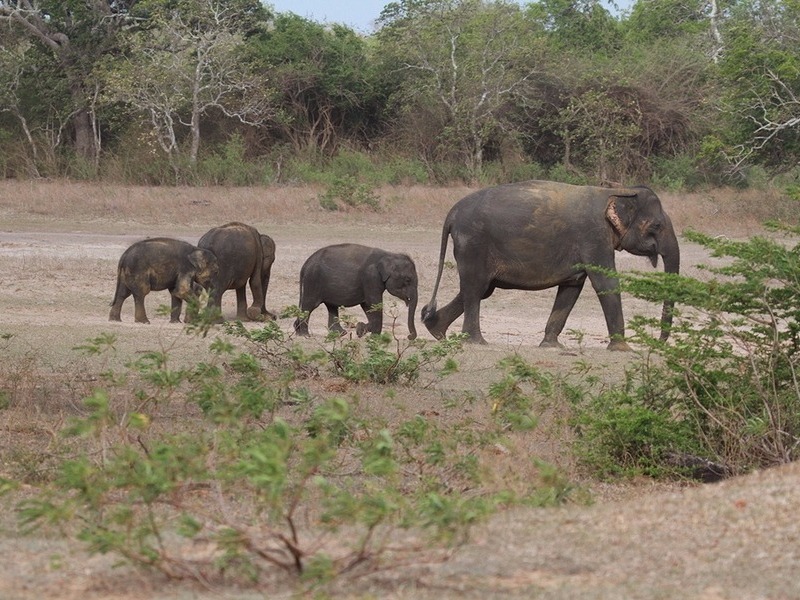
column 773, row 114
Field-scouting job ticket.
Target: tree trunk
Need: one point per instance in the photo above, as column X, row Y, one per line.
column 195, row 149
column 85, row 146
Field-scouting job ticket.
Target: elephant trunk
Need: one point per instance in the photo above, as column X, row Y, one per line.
column 412, row 308
column 671, row 255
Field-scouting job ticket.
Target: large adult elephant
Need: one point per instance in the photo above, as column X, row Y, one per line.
column 540, row 234
column 240, row 253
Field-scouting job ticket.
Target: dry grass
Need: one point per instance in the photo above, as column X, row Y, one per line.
column 120, row 208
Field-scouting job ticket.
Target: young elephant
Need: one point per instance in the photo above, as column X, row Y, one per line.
column 161, row 264
column 351, row 274
column 240, row 250
column 268, row 252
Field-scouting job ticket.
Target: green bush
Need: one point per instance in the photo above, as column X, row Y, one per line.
column 229, row 166
column 272, row 473
column 675, row 174
column 563, row 174
column 346, row 191
column 732, row 363
column 631, row 429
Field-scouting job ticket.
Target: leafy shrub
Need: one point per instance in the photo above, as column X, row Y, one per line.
column 563, row 174
column 511, row 405
column 347, row 192
column 732, row 365
column 631, row 429
column 675, row 174
column 272, row 471
column 403, row 171
column 229, row 166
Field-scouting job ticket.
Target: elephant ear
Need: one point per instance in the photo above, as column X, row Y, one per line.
column 621, row 211
column 199, row 258
column 384, row 270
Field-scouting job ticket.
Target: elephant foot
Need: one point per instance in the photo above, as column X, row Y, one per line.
column 253, row 313
column 430, row 319
column 143, row 321
column 361, row 329
column 619, row 346
column 545, row 343
column 267, row 315
column 475, row 338
column 436, row 332
column 301, row 328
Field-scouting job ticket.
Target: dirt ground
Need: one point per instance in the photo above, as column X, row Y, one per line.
column 59, row 245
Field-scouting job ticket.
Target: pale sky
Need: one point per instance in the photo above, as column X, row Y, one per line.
column 358, row 14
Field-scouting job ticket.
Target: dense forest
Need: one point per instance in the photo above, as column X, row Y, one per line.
column 678, row 94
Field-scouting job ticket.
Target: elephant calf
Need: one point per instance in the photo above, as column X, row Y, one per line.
column 161, row 264
column 351, row 274
column 244, row 256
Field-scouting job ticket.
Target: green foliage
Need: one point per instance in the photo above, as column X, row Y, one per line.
column 678, row 173
column 378, row 358
column 761, row 69
column 585, row 26
column 667, row 19
column 455, row 69
column 389, row 360
column 443, row 91
column 630, row 429
column 296, row 471
column 230, row 166
column 510, row 404
column 732, row 367
column 348, row 192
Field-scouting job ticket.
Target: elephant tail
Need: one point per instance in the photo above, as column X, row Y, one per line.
column 428, row 312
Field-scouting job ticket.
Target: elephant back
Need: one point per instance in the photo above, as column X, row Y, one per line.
column 238, row 249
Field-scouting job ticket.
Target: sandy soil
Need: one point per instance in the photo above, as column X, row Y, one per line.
column 739, row 539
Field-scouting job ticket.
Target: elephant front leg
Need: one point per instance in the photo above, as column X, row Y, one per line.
column 175, row 313
column 566, row 297
column 374, row 322
column 141, row 315
column 607, row 289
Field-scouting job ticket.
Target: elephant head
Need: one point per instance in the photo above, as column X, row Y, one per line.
column 206, row 266
column 399, row 276
column 642, row 228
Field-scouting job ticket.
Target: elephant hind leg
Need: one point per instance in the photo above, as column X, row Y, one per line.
column 566, row 297
column 306, row 307
column 333, row 318
column 472, row 321
column 243, row 312
column 437, row 322
column 120, row 296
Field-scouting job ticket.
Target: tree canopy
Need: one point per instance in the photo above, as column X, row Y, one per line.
column 669, row 92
